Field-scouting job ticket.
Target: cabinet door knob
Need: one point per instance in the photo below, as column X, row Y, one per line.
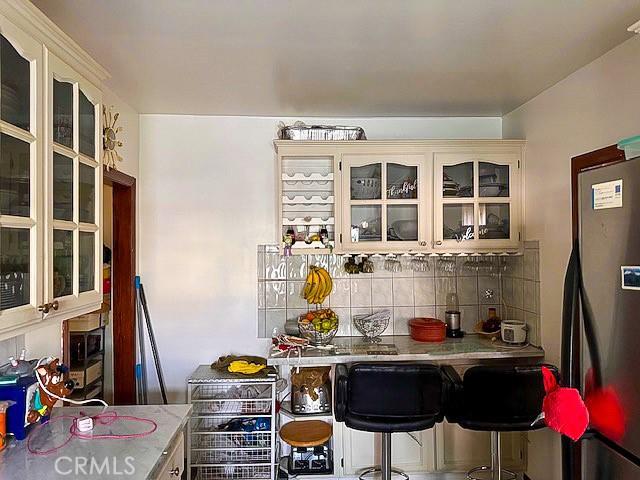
column 47, row 307
column 422, row 243
column 175, row 472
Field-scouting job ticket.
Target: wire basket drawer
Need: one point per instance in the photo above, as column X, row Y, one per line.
column 244, row 391
column 223, row 472
column 231, row 456
column 206, row 424
column 232, row 407
column 239, row 440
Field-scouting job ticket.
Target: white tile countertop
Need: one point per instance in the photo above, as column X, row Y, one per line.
column 471, row 348
column 145, row 454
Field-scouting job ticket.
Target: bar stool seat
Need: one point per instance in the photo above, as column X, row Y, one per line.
column 388, row 398
column 496, row 399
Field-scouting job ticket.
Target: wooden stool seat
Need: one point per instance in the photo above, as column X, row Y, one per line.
column 306, row 433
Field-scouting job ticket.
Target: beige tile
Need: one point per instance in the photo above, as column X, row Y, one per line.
column 360, row 292
column 533, row 323
column 341, row 293
column 344, row 321
column 336, row 267
column 401, row 315
column 275, row 266
column 262, row 292
column 403, row 292
column 518, row 293
column 294, row 295
column 319, row 260
column 297, row 267
column 262, row 323
column 274, row 321
column 444, row 286
column 467, row 288
column 489, row 289
column 531, row 296
column 382, row 291
column 424, row 291
column 530, row 265
column 275, row 294
column 426, row 312
column 468, row 317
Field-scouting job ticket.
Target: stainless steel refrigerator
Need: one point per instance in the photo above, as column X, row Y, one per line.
column 606, row 293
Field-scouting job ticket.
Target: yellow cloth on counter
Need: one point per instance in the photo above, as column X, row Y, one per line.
column 242, row 366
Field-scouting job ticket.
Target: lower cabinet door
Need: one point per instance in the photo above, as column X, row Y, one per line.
column 410, row 452
column 173, row 467
column 461, row 450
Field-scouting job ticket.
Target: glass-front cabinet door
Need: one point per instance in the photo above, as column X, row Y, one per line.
column 21, row 218
column 477, row 200
column 384, row 203
column 74, row 238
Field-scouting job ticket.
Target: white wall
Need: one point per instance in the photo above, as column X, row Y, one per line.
column 592, row 108
column 208, row 198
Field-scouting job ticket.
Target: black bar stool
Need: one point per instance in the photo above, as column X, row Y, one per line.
column 496, row 399
column 387, row 398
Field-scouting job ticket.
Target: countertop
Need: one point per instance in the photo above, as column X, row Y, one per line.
column 147, row 453
column 471, row 348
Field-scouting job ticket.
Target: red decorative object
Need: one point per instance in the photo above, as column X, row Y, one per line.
column 563, row 408
column 427, row 329
column 605, row 409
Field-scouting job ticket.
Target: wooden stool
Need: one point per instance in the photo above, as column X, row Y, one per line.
column 306, row 433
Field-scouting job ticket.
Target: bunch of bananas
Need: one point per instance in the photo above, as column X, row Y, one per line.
column 318, row 285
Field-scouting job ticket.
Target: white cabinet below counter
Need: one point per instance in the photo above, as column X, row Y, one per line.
column 400, row 196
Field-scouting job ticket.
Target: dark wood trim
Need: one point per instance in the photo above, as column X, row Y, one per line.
column 123, row 272
column 588, row 161
column 572, row 452
column 114, row 176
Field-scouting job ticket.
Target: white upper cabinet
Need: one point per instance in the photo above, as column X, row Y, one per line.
column 74, row 181
column 477, row 201
column 386, row 203
column 21, row 219
column 50, row 173
column 402, row 196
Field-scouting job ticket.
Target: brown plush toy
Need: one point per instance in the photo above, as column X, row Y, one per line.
column 52, row 377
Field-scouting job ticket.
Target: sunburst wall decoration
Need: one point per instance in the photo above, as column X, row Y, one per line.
column 109, row 138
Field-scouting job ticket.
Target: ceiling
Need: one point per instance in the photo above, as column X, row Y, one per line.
column 337, row 57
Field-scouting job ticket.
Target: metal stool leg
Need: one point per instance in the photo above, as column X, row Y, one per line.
column 495, row 471
column 385, row 462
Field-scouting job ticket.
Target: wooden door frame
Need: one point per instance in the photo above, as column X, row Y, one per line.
column 123, row 273
column 572, row 452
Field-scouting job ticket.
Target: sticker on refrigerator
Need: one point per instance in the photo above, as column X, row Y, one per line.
column 606, row 195
column 630, row 278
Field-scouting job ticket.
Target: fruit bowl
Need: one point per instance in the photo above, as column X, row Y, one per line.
column 318, row 326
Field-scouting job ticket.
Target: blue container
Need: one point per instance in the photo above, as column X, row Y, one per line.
column 22, row 392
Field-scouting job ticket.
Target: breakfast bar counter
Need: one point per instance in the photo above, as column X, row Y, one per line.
column 472, row 348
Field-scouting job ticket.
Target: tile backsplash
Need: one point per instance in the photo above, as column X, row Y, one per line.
column 407, row 294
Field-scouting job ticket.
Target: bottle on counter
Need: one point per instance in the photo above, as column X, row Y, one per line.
column 492, row 323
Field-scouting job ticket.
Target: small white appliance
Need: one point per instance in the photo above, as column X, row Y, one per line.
column 513, row 331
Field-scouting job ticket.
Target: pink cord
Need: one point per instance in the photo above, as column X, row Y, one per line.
column 107, row 418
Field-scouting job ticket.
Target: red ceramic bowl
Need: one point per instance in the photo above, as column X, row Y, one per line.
column 427, row 329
